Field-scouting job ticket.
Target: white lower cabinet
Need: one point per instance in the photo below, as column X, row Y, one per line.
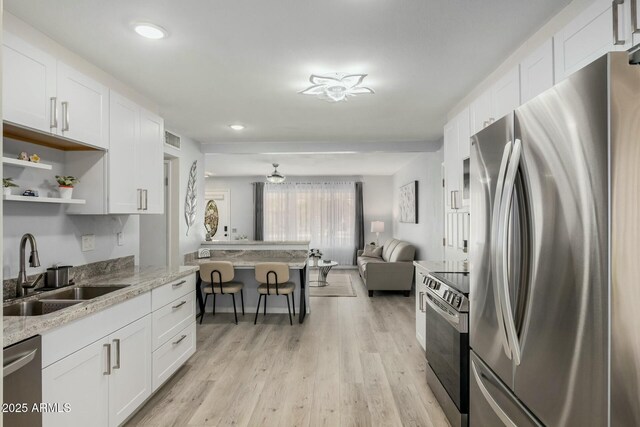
column 130, row 378
column 171, row 355
column 104, row 382
column 421, row 317
column 79, row 380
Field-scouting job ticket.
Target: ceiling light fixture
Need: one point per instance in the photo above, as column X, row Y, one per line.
column 150, row 31
column 236, row 127
column 337, row 87
column 275, row 177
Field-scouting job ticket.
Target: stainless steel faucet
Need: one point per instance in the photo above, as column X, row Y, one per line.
column 23, row 283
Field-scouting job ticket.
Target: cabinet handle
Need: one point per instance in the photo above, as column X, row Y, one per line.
column 421, row 300
column 53, row 112
column 616, row 30
column 65, row 116
column 176, row 285
column 634, row 17
column 146, row 199
column 179, row 305
column 116, row 342
column 108, row 348
column 179, row 340
column 139, row 190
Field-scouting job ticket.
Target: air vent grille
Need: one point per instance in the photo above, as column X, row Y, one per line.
column 172, row 139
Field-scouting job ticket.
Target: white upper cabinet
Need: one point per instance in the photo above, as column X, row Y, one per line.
column 456, row 150
column 42, row 93
column 83, row 107
column 28, row 85
column 151, row 162
column 536, row 72
column 602, row 27
column 124, row 124
column 480, row 112
column 634, row 14
column 505, row 94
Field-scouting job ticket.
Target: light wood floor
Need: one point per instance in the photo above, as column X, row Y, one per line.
column 354, row 362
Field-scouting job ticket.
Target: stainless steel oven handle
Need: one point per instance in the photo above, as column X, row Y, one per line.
column 450, row 317
column 503, row 287
column 490, row 400
column 495, row 242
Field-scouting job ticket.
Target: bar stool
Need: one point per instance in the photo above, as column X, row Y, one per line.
column 273, row 278
column 218, row 279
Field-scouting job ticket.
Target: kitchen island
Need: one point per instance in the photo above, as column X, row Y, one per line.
column 244, row 255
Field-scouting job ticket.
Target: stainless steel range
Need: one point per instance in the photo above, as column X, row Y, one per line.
column 447, row 343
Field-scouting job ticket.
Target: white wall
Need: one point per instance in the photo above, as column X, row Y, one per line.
column 58, row 235
column 427, row 234
column 377, row 195
column 191, row 151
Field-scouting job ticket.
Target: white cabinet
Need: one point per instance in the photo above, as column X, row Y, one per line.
column 421, row 317
column 28, row 85
column 80, row 380
column 130, row 379
column 136, row 150
column 634, row 18
column 602, row 27
column 83, row 107
column 536, row 72
column 456, row 150
column 42, row 93
column 150, row 161
column 495, row 103
column 173, row 354
column 124, row 124
column 103, row 382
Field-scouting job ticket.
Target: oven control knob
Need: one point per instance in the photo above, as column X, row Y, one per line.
column 446, row 296
column 457, row 300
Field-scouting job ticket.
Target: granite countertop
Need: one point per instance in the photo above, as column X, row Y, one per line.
column 256, row 243
column 248, row 261
column 442, row 266
column 139, row 279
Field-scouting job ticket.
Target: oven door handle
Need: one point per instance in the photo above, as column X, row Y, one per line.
column 453, row 320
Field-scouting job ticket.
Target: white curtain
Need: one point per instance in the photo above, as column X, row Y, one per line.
column 323, row 213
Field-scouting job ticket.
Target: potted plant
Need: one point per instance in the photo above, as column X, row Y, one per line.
column 314, row 256
column 65, row 185
column 7, row 183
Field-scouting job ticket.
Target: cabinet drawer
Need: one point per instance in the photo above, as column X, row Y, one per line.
column 172, row 355
column 171, row 291
column 173, row 317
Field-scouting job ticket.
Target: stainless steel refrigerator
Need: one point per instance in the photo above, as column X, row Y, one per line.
column 555, row 256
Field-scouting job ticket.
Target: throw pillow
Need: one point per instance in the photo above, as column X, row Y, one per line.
column 372, row 251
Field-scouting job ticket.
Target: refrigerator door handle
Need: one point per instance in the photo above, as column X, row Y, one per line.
column 503, row 258
column 490, row 400
column 495, row 241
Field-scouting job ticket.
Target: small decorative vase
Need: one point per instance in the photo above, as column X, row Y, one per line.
column 6, row 191
column 65, row 192
column 313, row 261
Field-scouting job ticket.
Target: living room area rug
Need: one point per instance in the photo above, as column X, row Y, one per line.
column 339, row 286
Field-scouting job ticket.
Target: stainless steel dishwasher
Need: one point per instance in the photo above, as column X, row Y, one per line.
column 22, row 387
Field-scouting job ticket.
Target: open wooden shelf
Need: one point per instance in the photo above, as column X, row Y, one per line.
column 25, row 164
column 31, row 199
column 13, row 131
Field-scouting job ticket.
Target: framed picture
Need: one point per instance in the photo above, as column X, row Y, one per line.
column 409, row 203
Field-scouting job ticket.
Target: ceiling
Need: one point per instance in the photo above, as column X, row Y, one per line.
column 243, row 61
column 301, row 164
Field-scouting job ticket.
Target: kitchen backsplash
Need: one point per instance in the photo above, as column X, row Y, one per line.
column 78, row 273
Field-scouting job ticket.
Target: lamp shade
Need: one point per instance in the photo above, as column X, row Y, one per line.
column 377, row 227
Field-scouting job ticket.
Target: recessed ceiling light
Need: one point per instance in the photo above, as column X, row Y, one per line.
column 337, row 87
column 150, row 31
column 236, row 127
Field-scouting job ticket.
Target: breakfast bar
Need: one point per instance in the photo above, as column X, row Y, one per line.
column 244, row 255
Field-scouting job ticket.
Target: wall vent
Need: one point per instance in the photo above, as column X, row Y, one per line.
column 172, row 139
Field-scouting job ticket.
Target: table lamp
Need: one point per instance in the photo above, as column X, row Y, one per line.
column 377, row 227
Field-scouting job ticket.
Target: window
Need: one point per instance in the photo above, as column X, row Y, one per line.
column 323, row 213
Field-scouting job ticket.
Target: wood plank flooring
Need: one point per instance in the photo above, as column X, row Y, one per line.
column 354, row 362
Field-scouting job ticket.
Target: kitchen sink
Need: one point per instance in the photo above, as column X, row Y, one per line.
column 50, row 302
column 83, row 292
column 36, row 308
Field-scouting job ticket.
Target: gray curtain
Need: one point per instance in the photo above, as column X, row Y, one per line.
column 359, row 220
column 258, row 211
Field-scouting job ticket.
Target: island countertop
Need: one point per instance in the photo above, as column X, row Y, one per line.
column 248, row 260
column 256, row 243
column 139, row 280
column 442, row 266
